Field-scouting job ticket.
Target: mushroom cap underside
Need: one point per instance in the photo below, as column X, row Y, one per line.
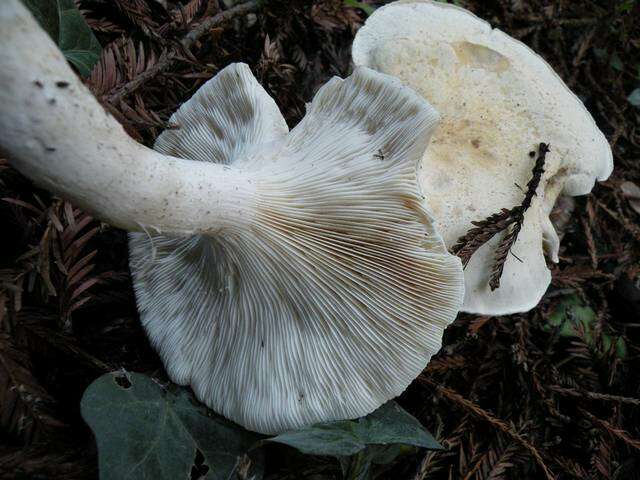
column 334, row 300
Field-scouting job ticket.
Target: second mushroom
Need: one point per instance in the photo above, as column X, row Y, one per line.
column 499, row 101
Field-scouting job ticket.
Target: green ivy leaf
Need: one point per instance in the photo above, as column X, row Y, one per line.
column 619, row 345
column 144, row 431
column 634, row 96
column 360, row 466
column 389, row 425
column 571, row 316
column 377, row 439
column 366, row 8
column 67, row 27
column 626, row 6
column 600, row 53
column 616, row 62
column 570, row 313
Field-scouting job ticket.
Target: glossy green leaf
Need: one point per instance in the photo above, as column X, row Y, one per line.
column 616, row 62
column 626, row 6
column 574, row 319
column 634, row 96
column 570, row 313
column 361, row 465
column 388, row 425
column 68, row 28
column 146, row 431
column 619, row 345
column 366, row 8
column 358, row 466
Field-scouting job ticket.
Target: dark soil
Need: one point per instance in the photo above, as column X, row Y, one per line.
column 509, row 397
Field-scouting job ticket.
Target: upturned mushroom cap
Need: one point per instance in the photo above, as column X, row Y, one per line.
column 288, row 277
column 498, row 99
column 336, row 295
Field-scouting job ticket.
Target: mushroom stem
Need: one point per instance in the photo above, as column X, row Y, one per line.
column 55, row 132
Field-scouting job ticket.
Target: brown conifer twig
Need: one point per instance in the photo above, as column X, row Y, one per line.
column 507, row 219
column 167, row 59
column 501, row 425
column 574, row 392
column 616, row 432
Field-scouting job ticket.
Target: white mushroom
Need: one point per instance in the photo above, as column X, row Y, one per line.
column 498, row 101
column 288, row 277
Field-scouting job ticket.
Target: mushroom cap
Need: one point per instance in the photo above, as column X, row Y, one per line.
column 498, row 100
column 336, row 297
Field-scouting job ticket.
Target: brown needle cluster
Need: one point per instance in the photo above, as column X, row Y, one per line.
column 507, row 219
